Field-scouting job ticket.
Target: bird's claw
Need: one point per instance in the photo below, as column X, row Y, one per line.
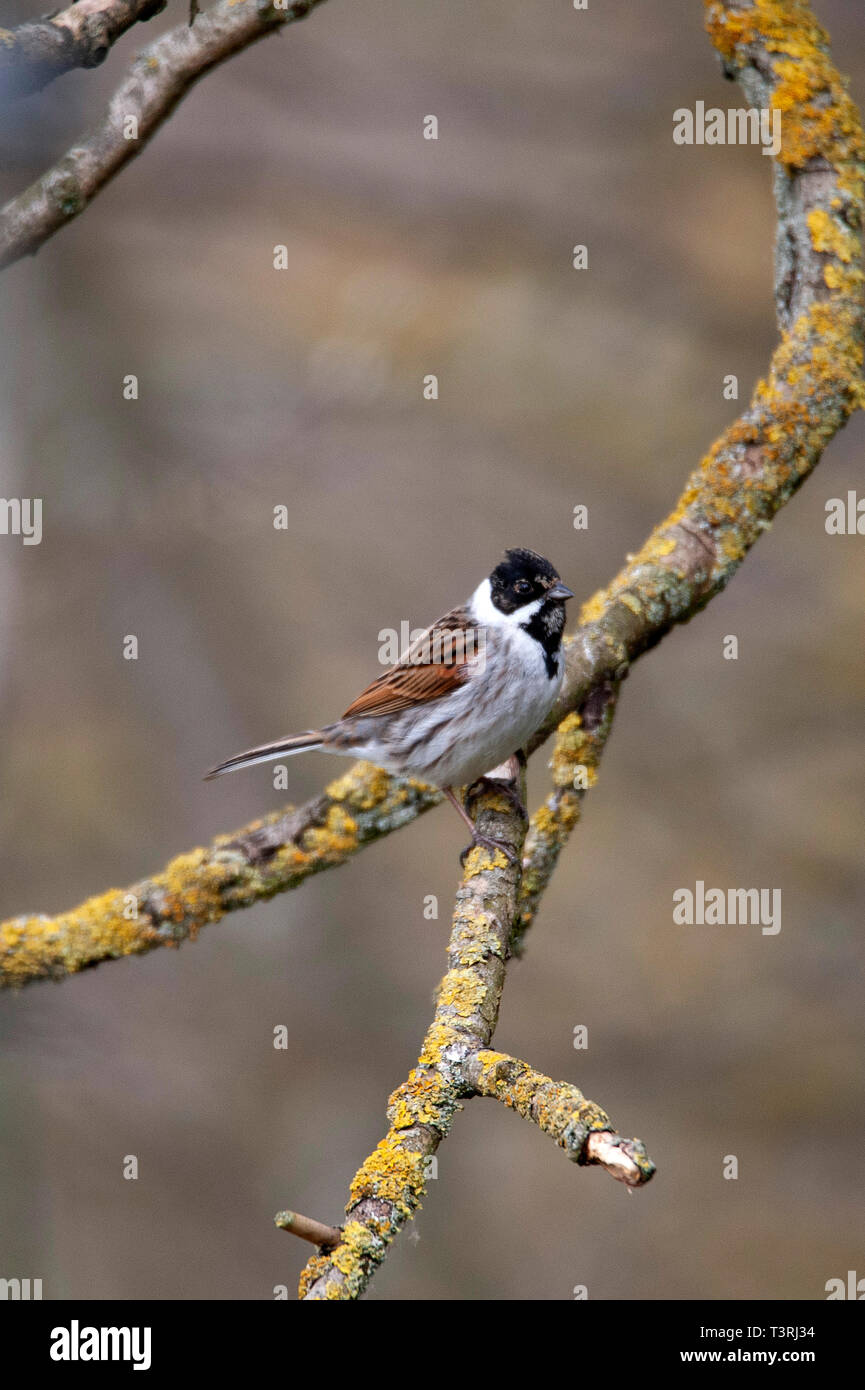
column 509, row 790
column 490, row 843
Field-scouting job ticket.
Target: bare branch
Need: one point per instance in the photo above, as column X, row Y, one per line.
column 32, row 55
column 624, row 1159
column 158, row 79
column 308, row 1229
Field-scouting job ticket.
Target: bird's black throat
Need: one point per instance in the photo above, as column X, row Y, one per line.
column 546, row 626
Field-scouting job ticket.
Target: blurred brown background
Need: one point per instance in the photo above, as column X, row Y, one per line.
column 303, row 387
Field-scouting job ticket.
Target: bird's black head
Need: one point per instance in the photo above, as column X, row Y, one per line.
column 522, row 578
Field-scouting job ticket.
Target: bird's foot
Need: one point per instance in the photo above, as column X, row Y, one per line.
column 490, row 843
column 509, row 790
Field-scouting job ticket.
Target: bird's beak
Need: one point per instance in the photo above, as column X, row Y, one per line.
column 560, row 590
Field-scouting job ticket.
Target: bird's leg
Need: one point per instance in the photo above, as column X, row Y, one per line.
column 506, row 779
column 458, row 806
column 477, row 839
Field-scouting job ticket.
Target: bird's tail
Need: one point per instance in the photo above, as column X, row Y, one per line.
column 266, row 752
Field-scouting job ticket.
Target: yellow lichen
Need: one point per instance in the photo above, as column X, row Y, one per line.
column 593, row 609
column 390, row 1173
column 461, row 992
column 418, row 1101
column 364, row 785
column 828, row 235
column 480, row 859
column 439, row 1036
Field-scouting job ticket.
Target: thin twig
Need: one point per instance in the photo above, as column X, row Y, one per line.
column 157, row 80
column 325, row 1237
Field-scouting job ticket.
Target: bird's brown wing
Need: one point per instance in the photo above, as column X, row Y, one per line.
column 434, row 665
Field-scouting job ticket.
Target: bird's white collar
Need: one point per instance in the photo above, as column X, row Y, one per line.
column 484, row 611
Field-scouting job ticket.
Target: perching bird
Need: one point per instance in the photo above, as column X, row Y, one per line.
column 465, row 697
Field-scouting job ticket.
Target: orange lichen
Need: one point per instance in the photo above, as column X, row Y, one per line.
column 593, row 609
column 34, row 947
column 481, row 858
column 818, row 116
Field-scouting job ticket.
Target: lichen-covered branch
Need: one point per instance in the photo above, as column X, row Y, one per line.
column 236, row 870
column 32, row 55
column 388, row 1187
column 279, row 851
column 453, row 1066
column 781, row 56
column 159, row 78
column 580, row 740
column 814, row 382
column 558, row 1109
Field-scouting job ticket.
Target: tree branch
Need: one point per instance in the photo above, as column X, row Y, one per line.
column 32, row 55
column 781, row 57
column 561, row 1111
column 156, row 82
column 814, row 384
column 266, row 857
column 580, row 740
column 747, row 476
column 453, row 1066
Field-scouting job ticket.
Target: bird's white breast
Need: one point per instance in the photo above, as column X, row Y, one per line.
column 505, row 700
column 477, row 726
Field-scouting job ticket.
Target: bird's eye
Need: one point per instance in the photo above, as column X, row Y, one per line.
column 522, row 586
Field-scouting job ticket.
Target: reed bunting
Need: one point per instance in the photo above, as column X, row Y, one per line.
column 464, row 698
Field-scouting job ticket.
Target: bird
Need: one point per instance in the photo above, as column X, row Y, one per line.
column 463, row 699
